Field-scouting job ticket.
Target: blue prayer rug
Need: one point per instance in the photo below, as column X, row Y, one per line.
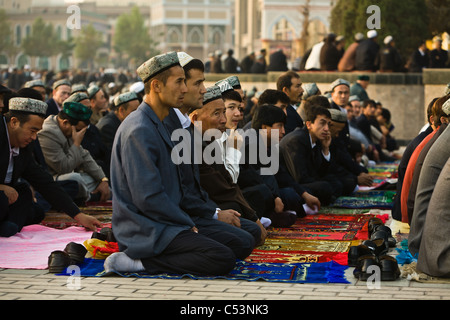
column 326, row 272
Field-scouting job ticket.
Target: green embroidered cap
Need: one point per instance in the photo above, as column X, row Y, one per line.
column 62, row 82
column 124, row 98
column 224, row 85
column 157, row 64
column 234, row 82
column 28, row 105
column 77, row 110
column 34, row 83
column 212, row 93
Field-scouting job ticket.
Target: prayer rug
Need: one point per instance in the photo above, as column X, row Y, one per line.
column 367, row 200
column 273, row 256
column 327, row 272
column 308, row 245
column 60, row 220
column 323, row 227
column 30, row 248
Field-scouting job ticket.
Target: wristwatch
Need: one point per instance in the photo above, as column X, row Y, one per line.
column 105, row 179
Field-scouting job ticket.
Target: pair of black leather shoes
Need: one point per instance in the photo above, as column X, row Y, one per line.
column 105, row 234
column 367, row 248
column 73, row 253
column 380, row 239
column 368, row 265
column 377, row 228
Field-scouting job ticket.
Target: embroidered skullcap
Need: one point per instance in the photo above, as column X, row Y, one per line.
column 353, row 98
column 77, row 110
column 212, row 93
column 34, row 83
column 157, row 64
column 338, row 82
column 224, row 86
column 184, row 58
column 137, row 87
column 79, row 88
column 310, row 89
column 61, row 82
column 92, row 91
column 77, row 97
column 124, row 98
column 234, row 81
column 338, row 116
column 28, row 105
column 446, row 107
column 371, row 34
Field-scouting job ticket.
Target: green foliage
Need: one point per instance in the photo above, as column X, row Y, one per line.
column 132, row 37
column 5, row 30
column 406, row 21
column 438, row 13
column 87, row 43
column 41, row 41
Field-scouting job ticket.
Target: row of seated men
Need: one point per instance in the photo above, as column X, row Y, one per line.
column 275, row 198
column 95, row 134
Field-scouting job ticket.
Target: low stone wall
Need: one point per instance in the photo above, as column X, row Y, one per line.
column 406, row 95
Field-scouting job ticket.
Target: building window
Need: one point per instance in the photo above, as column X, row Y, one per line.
column 18, row 35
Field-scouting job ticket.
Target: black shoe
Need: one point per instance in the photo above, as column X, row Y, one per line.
column 58, row 261
column 109, row 234
column 356, row 252
column 76, row 252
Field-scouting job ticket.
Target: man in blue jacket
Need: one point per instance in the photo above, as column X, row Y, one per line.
column 153, row 232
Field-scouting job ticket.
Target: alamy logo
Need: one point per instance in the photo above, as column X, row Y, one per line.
column 74, row 21
column 211, row 147
column 374, row 21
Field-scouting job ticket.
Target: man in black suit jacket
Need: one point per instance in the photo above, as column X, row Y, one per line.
column 107, row 126
column 18, row 128
column 61, row 91
column 305, row 153
column 291, row 84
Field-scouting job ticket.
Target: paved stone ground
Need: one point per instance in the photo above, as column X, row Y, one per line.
column 40, row 285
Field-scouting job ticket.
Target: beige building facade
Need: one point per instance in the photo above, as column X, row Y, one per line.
column 291, row 25
column 198, row 27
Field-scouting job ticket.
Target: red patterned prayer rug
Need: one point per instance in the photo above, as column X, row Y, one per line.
column 273, row 256
column 323, row 227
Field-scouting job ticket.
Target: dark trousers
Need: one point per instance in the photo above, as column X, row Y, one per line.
column 260, row 199
column 247, row 225
column 192, row 253
column 292, row 201
column 322, row 190
column 21, row 213
column 237, row 239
